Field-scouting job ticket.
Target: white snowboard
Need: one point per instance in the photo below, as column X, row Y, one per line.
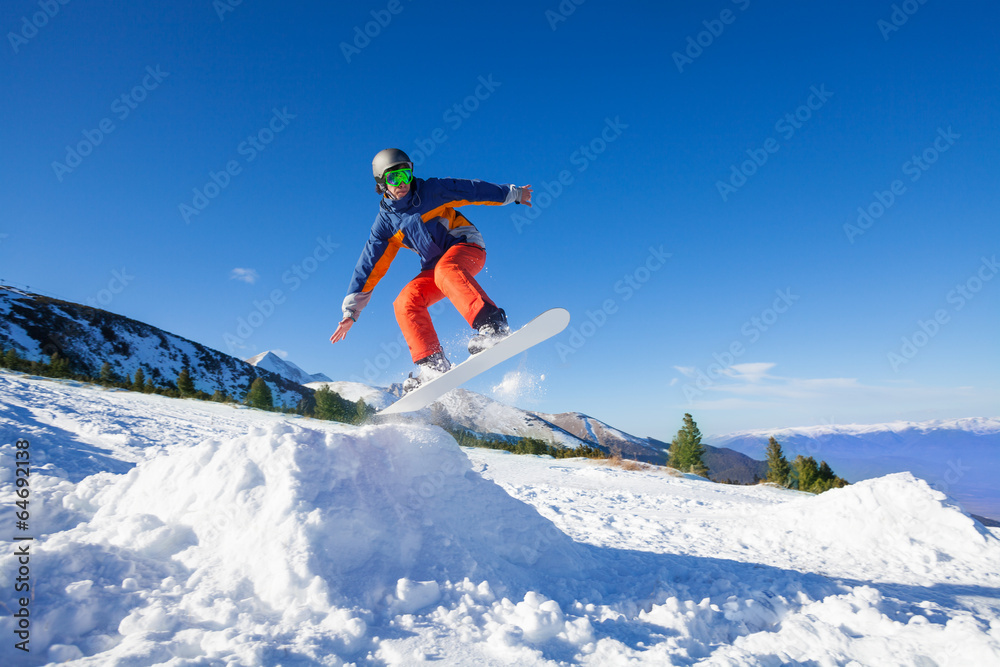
column 541, row 328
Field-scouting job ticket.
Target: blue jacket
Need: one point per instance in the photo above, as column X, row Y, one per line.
column 425, row 221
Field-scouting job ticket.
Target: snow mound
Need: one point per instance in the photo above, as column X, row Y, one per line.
column 898, row 519
column 308, row 518
column 284, row 531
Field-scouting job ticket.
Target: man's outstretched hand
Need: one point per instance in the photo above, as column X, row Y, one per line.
column 342, row 329
column 526, row 195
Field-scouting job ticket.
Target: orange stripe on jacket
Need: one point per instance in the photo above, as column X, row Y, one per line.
column 382, row 265
column 454, row 218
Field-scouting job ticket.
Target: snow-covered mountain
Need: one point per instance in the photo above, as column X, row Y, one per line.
column 37, row 326
column 480, row 414
column 960, row 457
column 183, row 532
column 286, row 369
column 607, row 437
column 462, row 409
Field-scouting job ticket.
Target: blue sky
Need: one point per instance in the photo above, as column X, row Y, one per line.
column 205, row 167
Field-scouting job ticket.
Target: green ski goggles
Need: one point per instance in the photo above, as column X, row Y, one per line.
column 398, row 177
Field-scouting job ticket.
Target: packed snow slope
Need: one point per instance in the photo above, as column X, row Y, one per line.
column 176, row 532
column 960, row 457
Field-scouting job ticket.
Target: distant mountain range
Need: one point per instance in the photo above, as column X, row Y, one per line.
column 960, row 457
column 482, row 416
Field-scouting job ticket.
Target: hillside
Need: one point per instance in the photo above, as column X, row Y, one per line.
column 37, row 326
column 182, row 532
column 607, row 437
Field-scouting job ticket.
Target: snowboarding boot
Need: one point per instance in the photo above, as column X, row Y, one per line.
column 431, row 367
column 492, row 326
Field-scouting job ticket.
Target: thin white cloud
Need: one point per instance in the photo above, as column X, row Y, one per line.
column 753, row 396
column 750, row 372
column 248, row 276
column 751, row 386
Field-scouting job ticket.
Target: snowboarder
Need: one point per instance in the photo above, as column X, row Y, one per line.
column 419, row 214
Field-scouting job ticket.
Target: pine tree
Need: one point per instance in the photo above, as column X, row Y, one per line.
column 531, row 446
column 806, row 473
column 107, row 375
column 778, row 469
column 11, row 360
column 328, row 405
column 826, row 480
column 686, row 450
column 58, row 366
column 185, row 385
column 140, row 380
column 259, row 395
column 149, row 387
column 362, row 411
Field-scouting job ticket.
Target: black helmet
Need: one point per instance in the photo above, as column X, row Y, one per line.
column 386, row 160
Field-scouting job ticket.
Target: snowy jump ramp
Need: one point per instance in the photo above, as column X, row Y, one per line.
column 311, row 519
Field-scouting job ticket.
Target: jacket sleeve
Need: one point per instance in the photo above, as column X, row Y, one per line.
column 377, row 255
column 461, row 192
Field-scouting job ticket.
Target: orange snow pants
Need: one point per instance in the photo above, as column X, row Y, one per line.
column 451, row 277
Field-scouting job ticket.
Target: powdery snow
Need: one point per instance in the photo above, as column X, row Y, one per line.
column 185, row 533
